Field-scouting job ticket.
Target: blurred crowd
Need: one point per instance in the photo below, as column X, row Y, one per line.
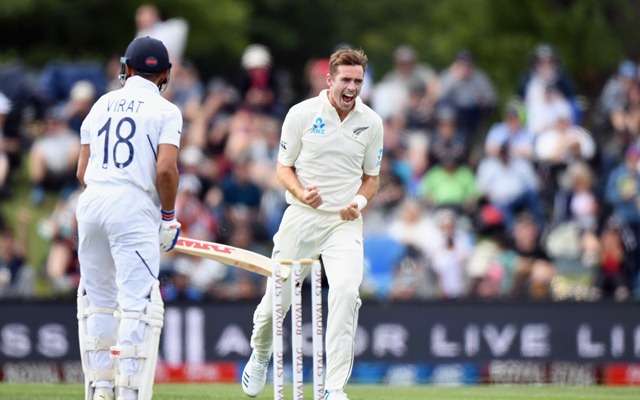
column 537, row 199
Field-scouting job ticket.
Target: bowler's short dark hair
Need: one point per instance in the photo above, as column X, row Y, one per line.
column 347, row 57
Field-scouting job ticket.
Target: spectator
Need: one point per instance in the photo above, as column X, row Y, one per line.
column 263, row 153
column 543, row 113
column 625, row 122
column 577, row 200
column 622, row 192
column 564, row 142
column 611, row 279
column 390, row 197
column 316, row 77
column 510, row 184
column 417, row 119
column 470, row 91
column 26, row 106
column 53, row 158
column 17, row 277
column 60, row 228
column 491, row 261
column 450, row 184
column 614, row 95
column 5, row 107
column 449, row 250
column 57, row 78
column 241, row 200
column 625, row 119
column 81, row 98
column 263, row 150
column 193, row 162
column 395, row 141
column 205, row 174
column 412, row 277
column 410, row 225
column 393, row 191
column 573, row 238
column 545, row 71
column 392, row 94
column 410, row 163
column 558, row 147
column 534, row 269
column 209, row 128
column 260, row 86
column 172, row 32
column 112, row 72
column 195, row 218
column 186, row 91
column 447, row 141
column 245, row 128
column 512, row 131
column 203, row 155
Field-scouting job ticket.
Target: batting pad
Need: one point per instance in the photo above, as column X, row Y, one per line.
column 91, row 345
column 145, row 353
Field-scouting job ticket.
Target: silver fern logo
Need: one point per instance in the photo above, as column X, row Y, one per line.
column 358, row 131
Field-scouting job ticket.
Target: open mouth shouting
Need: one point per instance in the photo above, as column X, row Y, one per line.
column 348, row 99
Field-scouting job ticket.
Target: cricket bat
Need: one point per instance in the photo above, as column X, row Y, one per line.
column 233, row 256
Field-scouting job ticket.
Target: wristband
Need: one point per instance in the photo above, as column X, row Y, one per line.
column 361, row 201
column 168, row 215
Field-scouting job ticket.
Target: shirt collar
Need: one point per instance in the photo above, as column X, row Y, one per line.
column 140, row 82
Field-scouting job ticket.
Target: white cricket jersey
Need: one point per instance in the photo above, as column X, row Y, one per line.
column 329, row 153
column 123, row 130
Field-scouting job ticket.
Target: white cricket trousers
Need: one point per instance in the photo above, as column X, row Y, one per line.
column 309, row 233
column 119, row 254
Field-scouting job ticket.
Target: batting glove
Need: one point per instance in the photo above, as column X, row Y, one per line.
column 169, row 230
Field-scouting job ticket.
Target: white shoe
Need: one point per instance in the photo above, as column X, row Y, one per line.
column 103, row 394
column 254, row 376
column 335, row 395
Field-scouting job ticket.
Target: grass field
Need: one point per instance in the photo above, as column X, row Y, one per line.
column 33, row 391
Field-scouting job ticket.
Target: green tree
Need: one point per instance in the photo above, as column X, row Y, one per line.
column 591, row 36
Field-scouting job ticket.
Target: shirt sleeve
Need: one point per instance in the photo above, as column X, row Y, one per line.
column 85, row 128
column 496, row 136
column 373, row 153
column 290, row 140
column 172, row 127
column 544, row 145
column 587, row 145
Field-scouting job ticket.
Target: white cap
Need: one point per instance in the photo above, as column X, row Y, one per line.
column 5, row 104
column 256, row 56
column 82, row 90
column 563, row 111
column 191, row 156
column 189, row 183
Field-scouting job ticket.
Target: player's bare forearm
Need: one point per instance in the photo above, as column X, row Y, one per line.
column 287, row 177
column 167, row 176
column 367, row 190
column 83, row 161
column 369, row 186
